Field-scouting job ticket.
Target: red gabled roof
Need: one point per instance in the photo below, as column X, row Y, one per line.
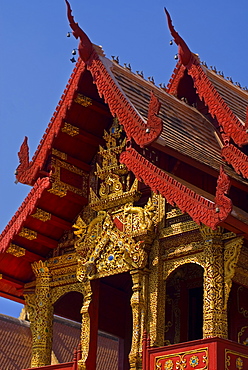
column 198, row 207
column 112, row 91
column 27, row 172
column 226, row 103
column 27, row 207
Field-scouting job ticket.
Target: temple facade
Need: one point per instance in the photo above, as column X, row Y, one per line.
column 136, row 224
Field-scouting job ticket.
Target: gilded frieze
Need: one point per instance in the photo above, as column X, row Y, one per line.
column 42, row 215
column 83, row 100
column 116, row 239
column 28, row 233
column 76, row 181
column 70, row 129
column 197, row 358
column 15, row 250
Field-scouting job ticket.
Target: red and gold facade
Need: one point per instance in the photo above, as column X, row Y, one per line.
column 129, row 227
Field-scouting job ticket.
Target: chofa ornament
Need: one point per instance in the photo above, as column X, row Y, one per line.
column 115, row 239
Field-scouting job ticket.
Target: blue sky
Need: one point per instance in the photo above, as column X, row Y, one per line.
column 35, row 65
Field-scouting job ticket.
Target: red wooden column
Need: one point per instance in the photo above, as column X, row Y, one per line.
column 94, row 314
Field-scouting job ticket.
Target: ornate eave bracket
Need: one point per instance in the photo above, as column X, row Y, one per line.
column 199, row 208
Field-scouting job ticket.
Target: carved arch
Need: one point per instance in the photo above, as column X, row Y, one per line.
column 58, row 292
column 171, row 266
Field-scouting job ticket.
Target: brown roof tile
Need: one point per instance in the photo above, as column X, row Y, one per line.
column 107, row 352
column 15, row 345
column 66, row 338
column 16, row 342
column 234, row 96
column 184, row 128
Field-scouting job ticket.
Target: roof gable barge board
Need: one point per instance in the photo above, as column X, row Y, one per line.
column 223, row 104
column 23, row 212
column 199, row 208
column 231, row 124
column 235, row 220
column 134, row 125
column 28, row 175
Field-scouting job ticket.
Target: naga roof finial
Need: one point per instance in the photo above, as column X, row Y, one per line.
column 184, row 52
column 85, row 47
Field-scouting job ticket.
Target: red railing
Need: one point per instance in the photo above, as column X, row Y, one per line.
column 203, row 354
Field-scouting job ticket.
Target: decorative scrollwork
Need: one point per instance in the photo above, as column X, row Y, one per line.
column 231, row 255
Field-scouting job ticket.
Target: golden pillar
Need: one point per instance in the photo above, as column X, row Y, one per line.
column 214, row 310
column 138, row 304
column 85, row 330
column 156, row 297
column 43, row 317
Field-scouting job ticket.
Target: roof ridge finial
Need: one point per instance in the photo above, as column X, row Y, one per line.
column 184, row 52
column 85, row 47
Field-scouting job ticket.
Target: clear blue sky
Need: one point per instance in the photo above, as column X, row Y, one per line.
column 35, row 66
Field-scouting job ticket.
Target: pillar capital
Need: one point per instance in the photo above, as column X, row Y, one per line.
column 211, row 236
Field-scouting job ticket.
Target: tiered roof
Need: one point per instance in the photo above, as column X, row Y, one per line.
column 193, row 145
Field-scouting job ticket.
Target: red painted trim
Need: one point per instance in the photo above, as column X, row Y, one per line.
column 218, row 108
column 216, row 104
column 236, row 158
column 26, row 208
column 134, row 125
column 198, row 207
column 177, row 74
column 27, row 171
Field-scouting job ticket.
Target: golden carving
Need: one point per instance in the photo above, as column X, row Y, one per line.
column 62, row 290
column 172, row 265
column 178, row 228
column 28, row 234
column 214, row 311
column 69, row 129
column 228, row 235
column 59, row 154
column 241, row 310
column 111, row 242
column 180, row 250
column 138, row 300
column 238, row 357
column 174, row 213
column 116, row 239
column 30, row 307
column 54, row 278
column 156, row 310
column 241, row 274
column 15, row 250
column 115, row 187
column 239, row 363
column 240, row 333
column 43, row 317
column 180, row 360
column 85, row 332
column 59, row 187
column 102, row 249
column 83, row 100
column 231, row 255
column 42, row 215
